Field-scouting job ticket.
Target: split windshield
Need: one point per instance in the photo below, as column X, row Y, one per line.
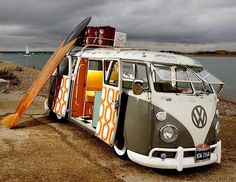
column 180, row 79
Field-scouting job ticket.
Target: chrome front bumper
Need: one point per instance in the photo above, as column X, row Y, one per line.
column 179, row 162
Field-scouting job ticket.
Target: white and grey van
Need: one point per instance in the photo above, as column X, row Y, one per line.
column 158, row 109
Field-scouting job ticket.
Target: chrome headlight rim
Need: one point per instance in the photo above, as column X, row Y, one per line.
column 173, row 137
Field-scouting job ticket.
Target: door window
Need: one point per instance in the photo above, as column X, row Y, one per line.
column 111, row 69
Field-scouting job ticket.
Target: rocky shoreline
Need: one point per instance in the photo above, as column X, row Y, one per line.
column 21, row 77
column 26, row 75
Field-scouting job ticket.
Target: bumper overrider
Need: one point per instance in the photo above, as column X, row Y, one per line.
column 179, row 162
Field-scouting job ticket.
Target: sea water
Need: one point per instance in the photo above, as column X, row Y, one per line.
column 224, row 69
column 35, row 60
column 221, row 67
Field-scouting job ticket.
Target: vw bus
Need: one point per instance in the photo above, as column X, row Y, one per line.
column 157, row 109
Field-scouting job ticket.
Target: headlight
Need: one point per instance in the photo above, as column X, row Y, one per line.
column 161, row 116
column 217, row 129
column 169, row 133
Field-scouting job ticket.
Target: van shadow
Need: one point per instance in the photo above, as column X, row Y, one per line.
column 37, row 121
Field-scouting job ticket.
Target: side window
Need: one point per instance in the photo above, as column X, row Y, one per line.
column 134, row 71
column 141, row 74
column 95, row 65
column 111, row 69
column 73, row 63
column 63, row 67
column 128, row 71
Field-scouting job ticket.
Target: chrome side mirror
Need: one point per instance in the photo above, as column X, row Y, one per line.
column 137, row 87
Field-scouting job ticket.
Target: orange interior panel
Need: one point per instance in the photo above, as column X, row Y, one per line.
column 94, row 81
column 78, row 99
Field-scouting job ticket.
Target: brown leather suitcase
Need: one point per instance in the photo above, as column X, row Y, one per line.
column 103, row 36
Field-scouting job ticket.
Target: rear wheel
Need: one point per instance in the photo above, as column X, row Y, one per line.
column 120, row 148
column 52, row 115
column 55, row 116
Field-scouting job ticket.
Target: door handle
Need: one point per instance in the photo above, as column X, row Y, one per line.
column 116, row 104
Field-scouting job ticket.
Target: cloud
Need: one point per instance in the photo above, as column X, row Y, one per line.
column 178, row 22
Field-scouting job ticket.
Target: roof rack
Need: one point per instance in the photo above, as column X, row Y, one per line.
column 82, row 49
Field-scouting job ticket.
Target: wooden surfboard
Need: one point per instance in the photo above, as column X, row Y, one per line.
column 45, row 74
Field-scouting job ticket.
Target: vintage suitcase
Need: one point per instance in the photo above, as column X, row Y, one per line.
column 103, row 36
column 91, row 35
column 120, row 39
column 107, row 34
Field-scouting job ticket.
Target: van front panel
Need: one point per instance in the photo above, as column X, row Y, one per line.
column 195, row 113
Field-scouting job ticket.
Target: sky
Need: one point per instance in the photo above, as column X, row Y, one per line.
column 180, row 25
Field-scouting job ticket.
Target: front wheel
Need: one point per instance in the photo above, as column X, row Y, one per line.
column 120, row 148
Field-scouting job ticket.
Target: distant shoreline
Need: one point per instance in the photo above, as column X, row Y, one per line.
column 218, row 53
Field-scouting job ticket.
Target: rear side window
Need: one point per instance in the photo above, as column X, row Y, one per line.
column 63, row 67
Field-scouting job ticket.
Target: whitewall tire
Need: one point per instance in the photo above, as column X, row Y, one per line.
column 120, row 149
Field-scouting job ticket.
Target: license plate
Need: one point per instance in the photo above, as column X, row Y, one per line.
column 202, row 153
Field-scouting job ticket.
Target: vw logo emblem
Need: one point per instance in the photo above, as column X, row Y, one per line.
column 199, row 117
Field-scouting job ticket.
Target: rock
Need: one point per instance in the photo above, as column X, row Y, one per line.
column 227, row 108
column 4, row 85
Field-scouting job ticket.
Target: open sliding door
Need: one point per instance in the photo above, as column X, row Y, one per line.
column 109, row 105
column 63, row 80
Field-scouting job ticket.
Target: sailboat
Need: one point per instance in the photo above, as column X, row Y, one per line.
column 27, row 52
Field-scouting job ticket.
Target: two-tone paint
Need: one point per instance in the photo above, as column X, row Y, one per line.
column 135, row 129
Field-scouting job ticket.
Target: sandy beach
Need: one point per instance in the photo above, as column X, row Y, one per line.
column 43, row 149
